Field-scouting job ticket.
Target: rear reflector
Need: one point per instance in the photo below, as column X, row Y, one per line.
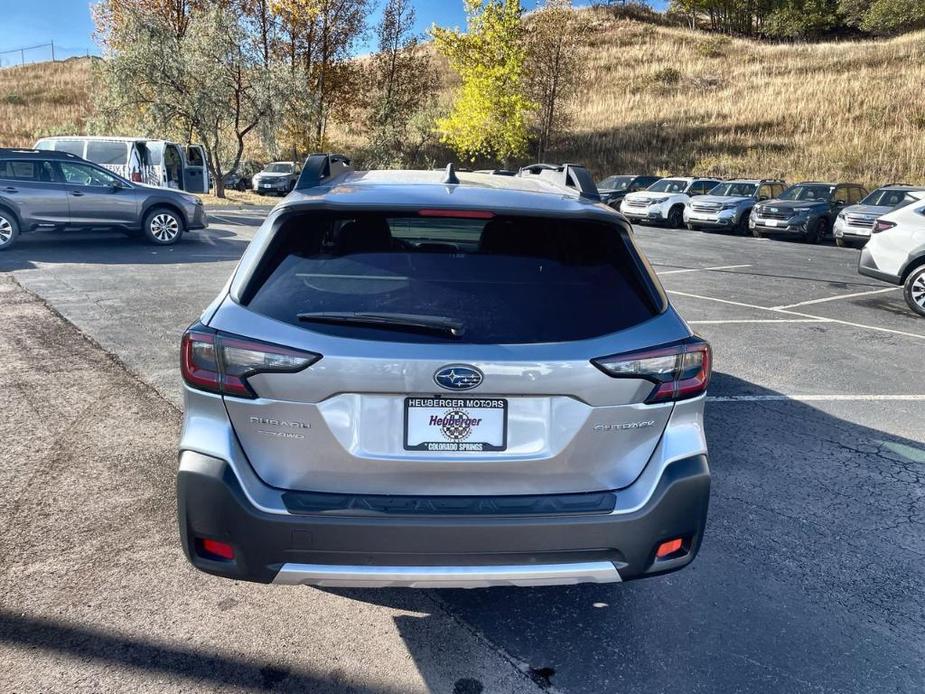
column 213, row 549
column 678, row 371
column 668, row 548
column 220, row 363
column 457, row 214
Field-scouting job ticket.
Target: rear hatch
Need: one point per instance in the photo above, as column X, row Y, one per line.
column 455, row 355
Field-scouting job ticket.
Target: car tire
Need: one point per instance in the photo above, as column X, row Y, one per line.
column 9, row 230
column 692, row 227
column 914, row 290
column 741, row 229
column 757, row 234
column 818, row 231
column 163, row 226
column 841, row 243
column 676, row 217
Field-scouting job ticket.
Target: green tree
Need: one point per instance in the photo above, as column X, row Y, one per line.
column 490, row 113
column 402, row 85
column 555, row 38
column 208, row 82
column 894, row 16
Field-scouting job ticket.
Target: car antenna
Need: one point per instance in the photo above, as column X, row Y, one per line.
column 450, row 174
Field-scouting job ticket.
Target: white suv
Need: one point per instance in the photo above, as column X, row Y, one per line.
column 664, row 201
column 896, row 250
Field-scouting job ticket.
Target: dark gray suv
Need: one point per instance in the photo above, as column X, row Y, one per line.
column 57, row 190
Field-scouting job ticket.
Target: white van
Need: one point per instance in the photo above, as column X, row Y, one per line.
column 153, row 162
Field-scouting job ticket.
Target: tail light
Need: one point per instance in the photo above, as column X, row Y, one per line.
column 678, row 371
column 220, row 363
column 882, row 225
column 136, row 176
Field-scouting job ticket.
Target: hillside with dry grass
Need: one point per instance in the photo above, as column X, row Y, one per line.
column 43, row 99
column 663, row 100
column 671, row 101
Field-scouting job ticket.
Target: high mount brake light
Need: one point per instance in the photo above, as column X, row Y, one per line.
column 220, row 363
column 457, row 214
column 678, row 371
column 882, row 225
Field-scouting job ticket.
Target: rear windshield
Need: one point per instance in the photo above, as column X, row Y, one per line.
column 505, row 280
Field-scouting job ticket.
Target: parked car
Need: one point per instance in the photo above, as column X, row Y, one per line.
column 729, row 204
column 896, row 250
column 140, row 160
column 805, row 211
column 277, row 177
column 411, row 380
column 57, row 190
column 853, row 224
column 663, row 202
column 614, row 188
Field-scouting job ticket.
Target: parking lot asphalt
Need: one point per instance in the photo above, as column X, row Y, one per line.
column 811, row 573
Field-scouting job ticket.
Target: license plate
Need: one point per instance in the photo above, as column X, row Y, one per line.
column 266, row 185
column 455, row 424
column 771, row 222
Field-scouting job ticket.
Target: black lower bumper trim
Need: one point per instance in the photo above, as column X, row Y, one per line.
column 212, row 505
column 356, row 504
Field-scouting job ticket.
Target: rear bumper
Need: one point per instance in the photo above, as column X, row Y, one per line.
column 868, row 267
column 368, row 548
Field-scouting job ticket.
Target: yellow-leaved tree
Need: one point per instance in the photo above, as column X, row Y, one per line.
column 490, row 113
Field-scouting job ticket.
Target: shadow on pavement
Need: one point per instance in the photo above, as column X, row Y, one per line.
column 198, row 666
column 806, row 581
column 114, row 248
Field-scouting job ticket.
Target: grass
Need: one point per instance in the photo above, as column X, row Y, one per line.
column 239, row 198
column 663, row 100
column 675, row 101
column 43, row 99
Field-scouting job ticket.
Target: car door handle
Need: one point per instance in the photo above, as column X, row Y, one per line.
column 76, row 193
column 10, row 189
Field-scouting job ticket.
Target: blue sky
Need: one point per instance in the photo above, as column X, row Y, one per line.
column 68, row 24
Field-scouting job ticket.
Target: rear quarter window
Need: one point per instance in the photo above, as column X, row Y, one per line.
column 113, row 153
column 506, row 279
column 70, row 146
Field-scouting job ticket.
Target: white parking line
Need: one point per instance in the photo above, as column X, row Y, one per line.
column 801, row 315
column 814, row 398
column 841, row 296
column 700, row 269
column 759, row 320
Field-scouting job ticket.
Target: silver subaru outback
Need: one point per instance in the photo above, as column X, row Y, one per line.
column 426, row 379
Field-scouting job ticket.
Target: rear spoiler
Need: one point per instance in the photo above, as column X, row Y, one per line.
column 574, row 177
column 321, row 169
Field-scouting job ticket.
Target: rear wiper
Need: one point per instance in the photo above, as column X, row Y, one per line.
column 433, row 325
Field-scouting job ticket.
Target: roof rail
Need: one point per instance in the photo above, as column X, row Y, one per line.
column 321, row 168
column 572, row 176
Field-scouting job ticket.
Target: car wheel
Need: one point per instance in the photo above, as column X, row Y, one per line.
column 915, row 290
column 676, row 218
column 9, row 230
column 742, row 227
column 163, row 226
column 841, row 243
column 816, row 232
